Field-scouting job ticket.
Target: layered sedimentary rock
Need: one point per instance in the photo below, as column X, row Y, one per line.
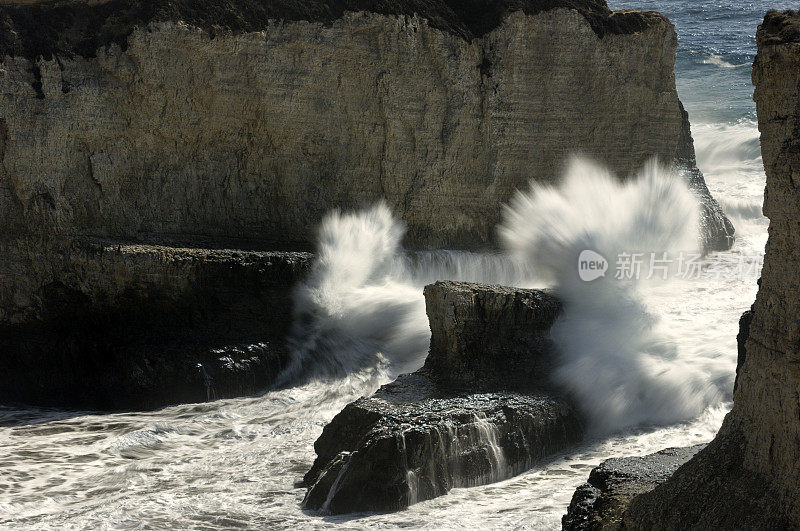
column 480, row 410
column 136, row 326
column 146, row 121
column 220, row 124
column 749, row 475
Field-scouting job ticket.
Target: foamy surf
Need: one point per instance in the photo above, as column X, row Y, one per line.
column 717, row 60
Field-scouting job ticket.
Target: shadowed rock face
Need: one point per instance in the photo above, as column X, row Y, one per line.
column 139, row 327
column 424, row 433
column 490, row 338
column 749, row 475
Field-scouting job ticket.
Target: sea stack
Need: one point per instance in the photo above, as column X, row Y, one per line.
column 480, row 410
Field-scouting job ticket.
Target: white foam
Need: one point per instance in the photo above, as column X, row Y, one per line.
column 716, row 60
column 363, row 308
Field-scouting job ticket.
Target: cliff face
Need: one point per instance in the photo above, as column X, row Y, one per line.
column 259, row 134
column 169, row 121
column 749, row 476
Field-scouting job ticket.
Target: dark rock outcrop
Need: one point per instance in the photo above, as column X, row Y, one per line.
column 490, row 338
column 600, row 503
column 748, row 477
column 450, row 424
column 138, row 326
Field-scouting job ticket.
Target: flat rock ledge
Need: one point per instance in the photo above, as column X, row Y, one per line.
column 135, row 326
column 601, row 502
column 479, row 411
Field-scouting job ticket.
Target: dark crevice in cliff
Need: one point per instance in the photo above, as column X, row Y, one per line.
column 741, row 341
column 37, row 81
column 66, row 86
column 686, row 151
column 71, row 29
column 3, row 139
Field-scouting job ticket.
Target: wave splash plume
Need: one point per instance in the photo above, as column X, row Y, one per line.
column 617, row 360
column 361, row 313
column 362, row 309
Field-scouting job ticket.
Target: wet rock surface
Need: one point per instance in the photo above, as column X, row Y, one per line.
column 600, row 503
column 423, row 434
column 142, row 326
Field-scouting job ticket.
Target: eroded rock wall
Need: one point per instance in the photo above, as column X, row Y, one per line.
column 142, row 326
column 154, row 121
column 260, row 134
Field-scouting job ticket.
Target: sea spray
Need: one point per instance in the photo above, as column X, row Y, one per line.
column 351, row 314
column 362, row 307
column 616, row 359
column 728, row 147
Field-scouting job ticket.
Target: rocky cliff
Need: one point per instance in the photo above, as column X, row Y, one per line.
column 173, row 120
column 237, row 124
column 460, row 420
column 749, row 475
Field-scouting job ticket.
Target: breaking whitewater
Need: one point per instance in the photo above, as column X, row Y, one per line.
column 667, row 347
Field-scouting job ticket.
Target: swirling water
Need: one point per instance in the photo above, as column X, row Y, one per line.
column 235, row 463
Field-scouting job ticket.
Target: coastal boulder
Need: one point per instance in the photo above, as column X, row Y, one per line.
column 600, row 503
column 450, row 424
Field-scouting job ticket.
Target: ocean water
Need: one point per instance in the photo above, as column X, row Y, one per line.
column 235, row 463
